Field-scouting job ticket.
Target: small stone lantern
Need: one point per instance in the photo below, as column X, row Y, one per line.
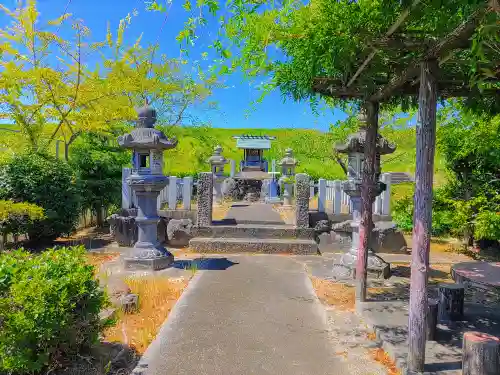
column 355, row 149
column 217, row 163
column 288, row 164
column 147, row 180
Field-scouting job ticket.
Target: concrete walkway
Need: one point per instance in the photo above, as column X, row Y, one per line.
column 244, row 315
column 253, row 213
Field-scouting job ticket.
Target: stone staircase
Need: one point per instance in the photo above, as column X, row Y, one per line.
column 262, row 238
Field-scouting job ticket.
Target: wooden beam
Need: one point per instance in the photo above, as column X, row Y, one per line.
column 447, row 89
column 402, row 17
column 422, row 214
column 402, row 43
column 462, row 32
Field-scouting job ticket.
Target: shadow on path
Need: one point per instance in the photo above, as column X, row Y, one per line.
column 205, row 264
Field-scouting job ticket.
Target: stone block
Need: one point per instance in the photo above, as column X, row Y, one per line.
column 179, row 232
column 151, row 264
column 386, row 238
column 129, row 303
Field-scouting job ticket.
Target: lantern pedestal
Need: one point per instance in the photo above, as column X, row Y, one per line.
column 147, row 252
column 346, row 268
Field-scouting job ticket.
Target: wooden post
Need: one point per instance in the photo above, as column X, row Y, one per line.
column 480, row 354
column 432, row 319
column 426, row 143
column 451, row 302
column 367, row 198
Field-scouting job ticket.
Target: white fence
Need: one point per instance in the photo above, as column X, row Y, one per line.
column 332, row 198
column 182, row 192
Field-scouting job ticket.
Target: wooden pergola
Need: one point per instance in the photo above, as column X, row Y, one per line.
column 437, row 70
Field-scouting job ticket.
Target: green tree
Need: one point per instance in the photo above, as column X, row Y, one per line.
column 470, row 145
column 51, row 100
column 98, row 163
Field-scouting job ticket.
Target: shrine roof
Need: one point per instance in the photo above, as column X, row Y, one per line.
column 262, row 142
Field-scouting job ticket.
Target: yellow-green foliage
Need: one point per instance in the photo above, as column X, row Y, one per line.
column 9, row 209
column 15, row 218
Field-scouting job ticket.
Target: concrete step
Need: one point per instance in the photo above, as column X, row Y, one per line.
column 253, row 245
column 255, row 231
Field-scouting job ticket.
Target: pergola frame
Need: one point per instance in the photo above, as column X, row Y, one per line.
column 422, row 76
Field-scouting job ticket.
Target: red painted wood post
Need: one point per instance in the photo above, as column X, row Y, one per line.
column 426, row 143
column 367, row 198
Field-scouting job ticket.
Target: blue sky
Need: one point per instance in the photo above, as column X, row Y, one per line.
column 233, row 102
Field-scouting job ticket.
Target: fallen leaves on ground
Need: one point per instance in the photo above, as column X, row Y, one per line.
column 383, row 358
column 335, row 294
column 98, row 259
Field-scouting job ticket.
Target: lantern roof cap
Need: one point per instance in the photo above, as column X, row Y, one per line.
column 144, row 136
column 288, row 160
column 146, row 116
column 217, row 158
column 356, row 142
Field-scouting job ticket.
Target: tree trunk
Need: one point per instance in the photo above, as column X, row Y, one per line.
column 367, row 198
column 66, row 145
column 422, row 216
column 99, row 215
column 469, row 230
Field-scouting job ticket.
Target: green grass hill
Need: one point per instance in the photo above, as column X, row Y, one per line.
column 312, row 148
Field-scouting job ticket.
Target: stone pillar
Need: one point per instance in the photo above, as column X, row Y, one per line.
column 321, row 195
column 302, row 200
column 287, row 194
column 232, row 164
column 186, row 192
column 217, row 190
column 205, row 198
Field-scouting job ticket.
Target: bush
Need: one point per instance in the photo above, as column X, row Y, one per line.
column 15, row 218
column 443, row 215
column 49, row 308
column 48, row 183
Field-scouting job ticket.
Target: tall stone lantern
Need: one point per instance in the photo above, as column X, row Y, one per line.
column 217, row 163
column 288, row 164
column 355, row 149
column 147, row 180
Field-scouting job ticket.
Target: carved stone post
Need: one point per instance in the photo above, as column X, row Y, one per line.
column 302, row 200
column 205, row 199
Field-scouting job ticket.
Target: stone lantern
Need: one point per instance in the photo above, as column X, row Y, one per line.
column 147, row 180
column 355, row 148
column 288, row 164
column 217, row 163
